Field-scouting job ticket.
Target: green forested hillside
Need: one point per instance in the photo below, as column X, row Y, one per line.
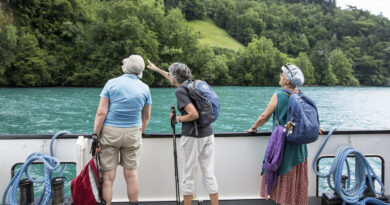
column 83, row 42
column 208, row 33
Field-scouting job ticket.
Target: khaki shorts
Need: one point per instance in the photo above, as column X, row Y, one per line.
column 126, row 141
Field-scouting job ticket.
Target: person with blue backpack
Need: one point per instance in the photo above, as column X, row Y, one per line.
column 285, row 168
column 199, row 106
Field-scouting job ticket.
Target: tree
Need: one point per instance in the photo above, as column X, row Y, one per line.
column 30, row 67
column 303, row 62
column 218, row 71
column 193, row 9
column 114, row 37
column 370, row 71
column 320, row 61
column 259, row 64
column 342, row 68
column 82, row 43
column 8, row 44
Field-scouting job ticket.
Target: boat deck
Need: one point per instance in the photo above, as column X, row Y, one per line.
column 312, row 201
column 238, row 184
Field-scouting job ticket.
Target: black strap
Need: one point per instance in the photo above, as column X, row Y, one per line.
column 95, row 143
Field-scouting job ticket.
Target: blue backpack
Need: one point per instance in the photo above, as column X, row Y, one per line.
column 206, row 102
column 303, row 124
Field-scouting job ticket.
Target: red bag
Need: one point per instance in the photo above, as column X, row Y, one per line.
column 86, row 188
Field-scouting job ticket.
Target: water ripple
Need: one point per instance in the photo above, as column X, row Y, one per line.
column 48, row 110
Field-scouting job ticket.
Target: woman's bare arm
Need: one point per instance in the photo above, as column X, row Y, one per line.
column 164, row 73
column 146, row 117
column 101, row 114
column 264, row 117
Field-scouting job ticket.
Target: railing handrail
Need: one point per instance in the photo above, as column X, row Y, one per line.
column 168, row 135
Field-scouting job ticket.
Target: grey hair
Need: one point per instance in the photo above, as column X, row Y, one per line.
column 180, row 72
column 134, row 64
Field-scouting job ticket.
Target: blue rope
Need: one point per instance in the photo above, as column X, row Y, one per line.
column 50, row 164
column 349, row 194
column 51, row 147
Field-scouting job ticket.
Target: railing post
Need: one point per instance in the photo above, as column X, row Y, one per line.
column 80, row 147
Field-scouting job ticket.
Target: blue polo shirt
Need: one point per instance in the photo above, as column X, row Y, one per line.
column 128, row 95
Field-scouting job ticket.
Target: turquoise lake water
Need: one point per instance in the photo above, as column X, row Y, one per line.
column 49, row 110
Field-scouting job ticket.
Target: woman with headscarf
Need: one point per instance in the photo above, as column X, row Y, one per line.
column 292, row 180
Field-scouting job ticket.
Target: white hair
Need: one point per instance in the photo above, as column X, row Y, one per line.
column 134, row 64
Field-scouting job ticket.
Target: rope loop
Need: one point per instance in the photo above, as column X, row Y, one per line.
column 50, row 165
column 351, row 193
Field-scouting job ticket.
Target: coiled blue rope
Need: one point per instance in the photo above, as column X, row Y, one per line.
column 353, row 194
column 50, row 164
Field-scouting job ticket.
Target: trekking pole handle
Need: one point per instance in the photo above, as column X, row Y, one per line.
column 95, row 143
column 173, row 119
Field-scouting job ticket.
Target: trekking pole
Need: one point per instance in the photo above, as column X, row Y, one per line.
column 173, row 124
column 95, row 151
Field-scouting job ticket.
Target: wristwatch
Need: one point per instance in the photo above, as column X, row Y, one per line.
column 94, row 134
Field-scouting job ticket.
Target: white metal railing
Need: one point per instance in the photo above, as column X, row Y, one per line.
column 237, row 162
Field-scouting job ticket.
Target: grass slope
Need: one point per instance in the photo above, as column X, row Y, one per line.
column 211, row 34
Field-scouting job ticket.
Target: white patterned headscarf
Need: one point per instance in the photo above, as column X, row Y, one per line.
column 294, row 74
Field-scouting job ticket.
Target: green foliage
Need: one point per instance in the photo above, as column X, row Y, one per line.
column 303, row 62
column 317, row 29
column 342, row 68
column 113, row 37
column 319, row 59
column 221, row 71
column 46, row 15
column 83, row 42
column 169, row 4
column 30, row 67
column 192, row 9
column 8, row 44
column 370, row 71
column 259, row 64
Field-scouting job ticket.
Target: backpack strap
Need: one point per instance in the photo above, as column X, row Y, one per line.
column 276, row 119
column 292, row 92
column 195, row 127
column 288, row 91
